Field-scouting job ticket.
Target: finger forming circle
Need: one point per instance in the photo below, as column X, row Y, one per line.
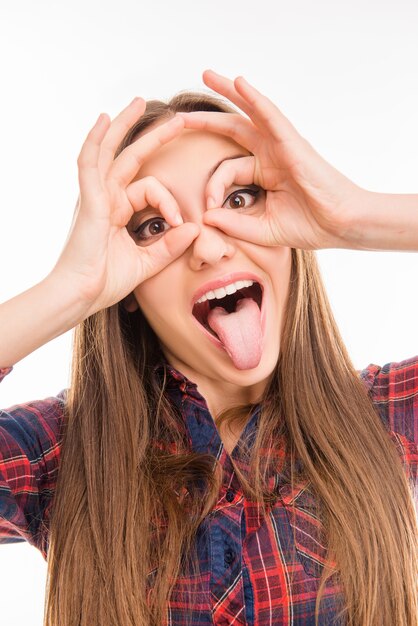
column 239, row 171
column 149, row 191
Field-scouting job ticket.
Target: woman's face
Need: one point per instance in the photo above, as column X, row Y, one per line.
column 183, row 166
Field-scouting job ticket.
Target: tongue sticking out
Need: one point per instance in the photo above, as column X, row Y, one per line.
column 239, row 332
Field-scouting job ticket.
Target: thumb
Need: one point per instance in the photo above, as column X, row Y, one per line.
column 168, row 248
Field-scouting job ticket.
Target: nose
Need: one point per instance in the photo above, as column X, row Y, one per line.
column 210, row 247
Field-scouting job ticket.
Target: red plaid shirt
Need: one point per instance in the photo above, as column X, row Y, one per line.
column 253, row 570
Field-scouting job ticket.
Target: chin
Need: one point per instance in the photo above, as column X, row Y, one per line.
column 246, row 377
column 215, row 363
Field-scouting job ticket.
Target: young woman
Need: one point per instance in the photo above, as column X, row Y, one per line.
column 220, row 460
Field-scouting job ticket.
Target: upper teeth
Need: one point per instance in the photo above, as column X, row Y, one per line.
column 225, row 291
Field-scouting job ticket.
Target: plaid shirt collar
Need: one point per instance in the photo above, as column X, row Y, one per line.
column 176, row 381
column 203, row 434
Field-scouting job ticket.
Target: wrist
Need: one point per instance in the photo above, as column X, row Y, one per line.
column 380, row 221
column 69, row 303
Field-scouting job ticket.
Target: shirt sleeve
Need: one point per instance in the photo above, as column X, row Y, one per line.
column 4, row 371
column 30, row 443
column 393, row 389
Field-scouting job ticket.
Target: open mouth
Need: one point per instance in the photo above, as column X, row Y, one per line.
column 201, row 310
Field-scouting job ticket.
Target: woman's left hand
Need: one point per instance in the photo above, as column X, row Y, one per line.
column 309, row 204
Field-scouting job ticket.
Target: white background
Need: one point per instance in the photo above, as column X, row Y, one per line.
column 345, row 73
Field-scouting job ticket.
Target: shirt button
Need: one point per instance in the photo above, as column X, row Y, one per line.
column 229, row 496
column 229, row 556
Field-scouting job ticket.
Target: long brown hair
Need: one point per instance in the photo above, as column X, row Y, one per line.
column 126, row 508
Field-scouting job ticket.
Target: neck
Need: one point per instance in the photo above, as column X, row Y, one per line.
column 219, row 394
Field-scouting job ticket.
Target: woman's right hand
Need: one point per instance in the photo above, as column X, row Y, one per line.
column 100, row 262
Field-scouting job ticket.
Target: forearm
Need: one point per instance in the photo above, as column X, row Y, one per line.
column 384, row 221
column 34, row 317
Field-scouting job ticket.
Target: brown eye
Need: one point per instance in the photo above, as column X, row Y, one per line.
column 150, row 228
column 241, row 199
column 237, row 202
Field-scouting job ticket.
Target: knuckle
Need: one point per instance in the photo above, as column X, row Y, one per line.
column 110, row 179
column 131, row 152
column 82, row 160
column 228, row 168
column 151, row 181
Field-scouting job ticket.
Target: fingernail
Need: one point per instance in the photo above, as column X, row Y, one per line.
column 211, row 204
column 178, row 220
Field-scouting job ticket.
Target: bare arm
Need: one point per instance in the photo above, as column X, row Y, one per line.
column 34, row 317
column 385, row 221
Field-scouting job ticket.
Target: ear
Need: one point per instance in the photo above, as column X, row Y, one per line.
column 130, row 303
